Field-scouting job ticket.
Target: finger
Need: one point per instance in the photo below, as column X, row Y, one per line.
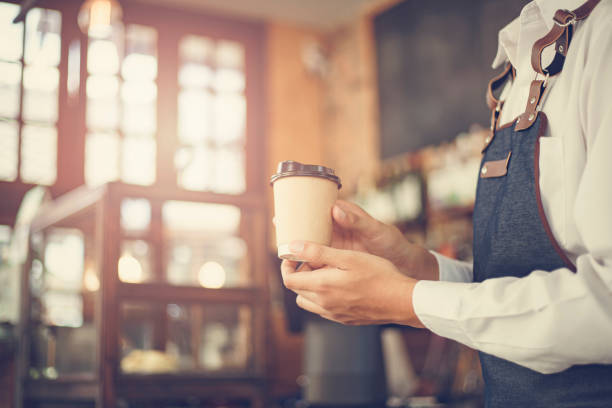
column 288, row 267
column 312, row 281
column 308, row 295
column 351, row 216
column 313, row 307
column 310, row 306
column 317, row 254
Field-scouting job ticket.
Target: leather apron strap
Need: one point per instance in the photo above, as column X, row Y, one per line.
column 561, row 35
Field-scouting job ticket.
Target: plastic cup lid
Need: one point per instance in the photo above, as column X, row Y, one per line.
column 290, row 168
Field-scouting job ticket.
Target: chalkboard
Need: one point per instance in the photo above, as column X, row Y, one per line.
column 434, row 61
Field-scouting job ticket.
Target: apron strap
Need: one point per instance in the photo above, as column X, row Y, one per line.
column 561, row 35
column 496, row 83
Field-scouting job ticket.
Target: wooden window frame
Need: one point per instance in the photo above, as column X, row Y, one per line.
column 170, row 24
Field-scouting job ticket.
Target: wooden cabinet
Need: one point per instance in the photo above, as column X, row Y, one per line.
column 141, row 297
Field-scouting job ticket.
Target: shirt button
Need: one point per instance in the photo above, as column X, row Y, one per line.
column 484, row 170
column 531, row 117
column 487, row 140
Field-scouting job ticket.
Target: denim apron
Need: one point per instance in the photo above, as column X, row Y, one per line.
column 513, row 238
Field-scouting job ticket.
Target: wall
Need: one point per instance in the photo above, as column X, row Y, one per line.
column 350, row 110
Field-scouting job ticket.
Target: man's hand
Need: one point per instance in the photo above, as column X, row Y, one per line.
column 357, row 230
column 350, row 287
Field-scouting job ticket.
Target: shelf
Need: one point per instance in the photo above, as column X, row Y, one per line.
column 69, row 388
column 164, row 292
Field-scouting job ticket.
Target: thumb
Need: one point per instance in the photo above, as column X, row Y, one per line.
column 350, row 216
column 317, row 254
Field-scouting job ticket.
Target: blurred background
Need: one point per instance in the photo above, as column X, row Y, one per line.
column 137, row 257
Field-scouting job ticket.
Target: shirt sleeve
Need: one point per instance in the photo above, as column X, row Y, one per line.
column 452, row 270
column 546, row 321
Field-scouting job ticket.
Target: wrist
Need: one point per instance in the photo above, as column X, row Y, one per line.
column 404, row 309
column 417, row 262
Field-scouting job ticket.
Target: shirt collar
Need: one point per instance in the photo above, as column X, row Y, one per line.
column 536, row 12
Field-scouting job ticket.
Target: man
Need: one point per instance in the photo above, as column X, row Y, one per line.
column 537, row 302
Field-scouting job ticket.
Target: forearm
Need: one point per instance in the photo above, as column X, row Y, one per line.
column 410, row 259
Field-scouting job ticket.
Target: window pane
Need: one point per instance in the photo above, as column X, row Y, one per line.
column 195, row 168
column 203, row 245
column 139, row 118
column 10, row 79
column 193, row 75
column 208, row 338
column 102, row 87
column 213, row 219
column 196, row 49
column 230, row 118
column 139, row 67
column 229, row 55
column 11, row 34
column 208, row 262
column 62, row 309
column 229, row 171
column 41, row 78
column 229, row 80
column 135, row 214
column 138, row 160
column 101, row 158
column 8, row 150
column 40, row 106
column 139, row 92
column 194, row 110
column 102, row 57
column 102, row 114
column 73, row 81
column 38, row 154
column 43, row 29
column 64, row 260
column 140, row 63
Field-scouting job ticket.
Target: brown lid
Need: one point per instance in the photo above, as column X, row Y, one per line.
column 290, row 168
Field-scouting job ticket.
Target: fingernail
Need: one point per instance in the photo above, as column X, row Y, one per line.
column 296, row 247
column 341, row 213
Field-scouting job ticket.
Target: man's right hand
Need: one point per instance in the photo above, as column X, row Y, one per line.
column 357, row 230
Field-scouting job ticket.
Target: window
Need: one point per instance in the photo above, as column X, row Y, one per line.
column 29, row 89
column 211, row 115
column 121, row 113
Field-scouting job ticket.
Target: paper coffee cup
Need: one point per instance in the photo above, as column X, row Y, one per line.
column 304, row 195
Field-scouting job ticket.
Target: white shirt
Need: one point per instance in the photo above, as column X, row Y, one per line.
column 548, row 321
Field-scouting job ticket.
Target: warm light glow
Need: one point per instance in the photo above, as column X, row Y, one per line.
column 100, row 15
column 130, row 269
column 97, row 17
column 212, row 275
column 90, row 280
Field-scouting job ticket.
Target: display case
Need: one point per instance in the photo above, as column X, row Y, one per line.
column 141, row 297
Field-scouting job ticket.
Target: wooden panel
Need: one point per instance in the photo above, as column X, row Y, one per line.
column 160, row 292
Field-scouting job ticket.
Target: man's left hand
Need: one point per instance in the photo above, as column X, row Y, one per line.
column 349, row 287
